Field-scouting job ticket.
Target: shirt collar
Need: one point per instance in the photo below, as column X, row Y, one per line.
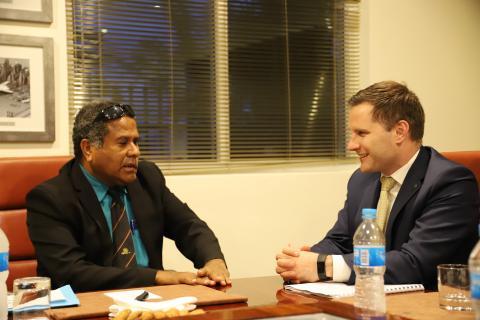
column 400, row 175
column 99, row 187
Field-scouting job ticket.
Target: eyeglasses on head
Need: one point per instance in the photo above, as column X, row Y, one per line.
column 115, row 111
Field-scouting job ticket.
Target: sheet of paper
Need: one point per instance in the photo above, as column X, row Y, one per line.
column 57, row 298
column 131, row 294
column 336, row 290
column 57, row 295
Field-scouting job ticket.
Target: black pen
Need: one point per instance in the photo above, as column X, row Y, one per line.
column 142, row 296
column 286, row 283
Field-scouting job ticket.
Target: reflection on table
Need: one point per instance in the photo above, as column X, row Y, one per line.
column 263, row 291
column 267, row 299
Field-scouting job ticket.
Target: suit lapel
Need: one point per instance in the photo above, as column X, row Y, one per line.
column 88, row 198
column 412, row 183
column 371, row 193
column 142, row 209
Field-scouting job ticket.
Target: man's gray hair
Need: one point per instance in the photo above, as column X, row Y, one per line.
column 84, row 126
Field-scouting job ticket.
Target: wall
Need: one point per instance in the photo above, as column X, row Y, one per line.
column 57, row 31
column 432, row 45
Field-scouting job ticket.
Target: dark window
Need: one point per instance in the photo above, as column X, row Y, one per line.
column 287, row 75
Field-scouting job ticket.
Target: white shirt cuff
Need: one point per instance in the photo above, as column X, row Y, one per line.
column 341, row 270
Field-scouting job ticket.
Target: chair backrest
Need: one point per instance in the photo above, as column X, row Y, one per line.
column 470, row 159
column 18, row 177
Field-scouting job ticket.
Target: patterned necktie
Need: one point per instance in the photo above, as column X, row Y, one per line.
column 124, row 252
column 383, row 207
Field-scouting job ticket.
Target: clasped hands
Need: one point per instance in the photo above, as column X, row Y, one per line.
column 214, row 272
column 297, row 264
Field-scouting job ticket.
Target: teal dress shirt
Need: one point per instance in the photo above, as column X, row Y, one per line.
column 105, row 202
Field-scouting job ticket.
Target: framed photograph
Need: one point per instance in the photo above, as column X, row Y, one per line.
column 27, row 97
column 26, row 10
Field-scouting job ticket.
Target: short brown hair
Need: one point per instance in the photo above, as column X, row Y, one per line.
column 393, row 102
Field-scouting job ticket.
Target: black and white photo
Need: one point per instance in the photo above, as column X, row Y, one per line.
column 27, row 105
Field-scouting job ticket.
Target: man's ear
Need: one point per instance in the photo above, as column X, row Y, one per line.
column 402, row 131
column 86, row 148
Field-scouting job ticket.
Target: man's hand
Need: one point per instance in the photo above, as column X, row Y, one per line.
column 172, row 277
column 297, row 265
column 214, row 272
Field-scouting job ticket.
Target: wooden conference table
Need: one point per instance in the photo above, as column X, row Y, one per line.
column 266, row 298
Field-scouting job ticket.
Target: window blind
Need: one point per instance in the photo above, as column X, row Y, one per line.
column 220, row 84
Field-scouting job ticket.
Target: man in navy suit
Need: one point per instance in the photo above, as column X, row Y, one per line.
column 105, row 196
column 434, row 203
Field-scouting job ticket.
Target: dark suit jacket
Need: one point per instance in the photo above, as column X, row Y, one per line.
column 433, row 220
column 71, row 238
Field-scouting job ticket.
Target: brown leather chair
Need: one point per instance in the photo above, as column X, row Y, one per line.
column 18, row 177
column 470, row 159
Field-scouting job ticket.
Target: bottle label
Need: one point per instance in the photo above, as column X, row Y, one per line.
column 3, row 261
column 475, row 285
column 369, row 256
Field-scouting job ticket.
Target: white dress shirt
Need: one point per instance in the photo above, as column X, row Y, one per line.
column 341, row 270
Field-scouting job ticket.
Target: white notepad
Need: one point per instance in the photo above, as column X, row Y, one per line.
column 338, row 290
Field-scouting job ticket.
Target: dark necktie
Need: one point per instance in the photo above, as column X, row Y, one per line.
column 123, row 250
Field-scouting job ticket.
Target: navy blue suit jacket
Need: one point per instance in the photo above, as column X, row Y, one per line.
column 434, row 219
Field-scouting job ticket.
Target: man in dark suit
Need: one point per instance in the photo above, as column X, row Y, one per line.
column 433, row 203
column 100, row 223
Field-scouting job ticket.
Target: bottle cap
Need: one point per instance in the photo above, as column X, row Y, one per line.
column 369, row 213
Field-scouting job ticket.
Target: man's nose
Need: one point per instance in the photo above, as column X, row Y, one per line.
column 134, row 150
column 352, row 145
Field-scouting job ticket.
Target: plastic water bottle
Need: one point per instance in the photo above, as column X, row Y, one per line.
column 369, row 265
column 4, row 246
column 474, row 270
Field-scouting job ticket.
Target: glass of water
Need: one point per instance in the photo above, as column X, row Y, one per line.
column 31, row 296
column 454, row 287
